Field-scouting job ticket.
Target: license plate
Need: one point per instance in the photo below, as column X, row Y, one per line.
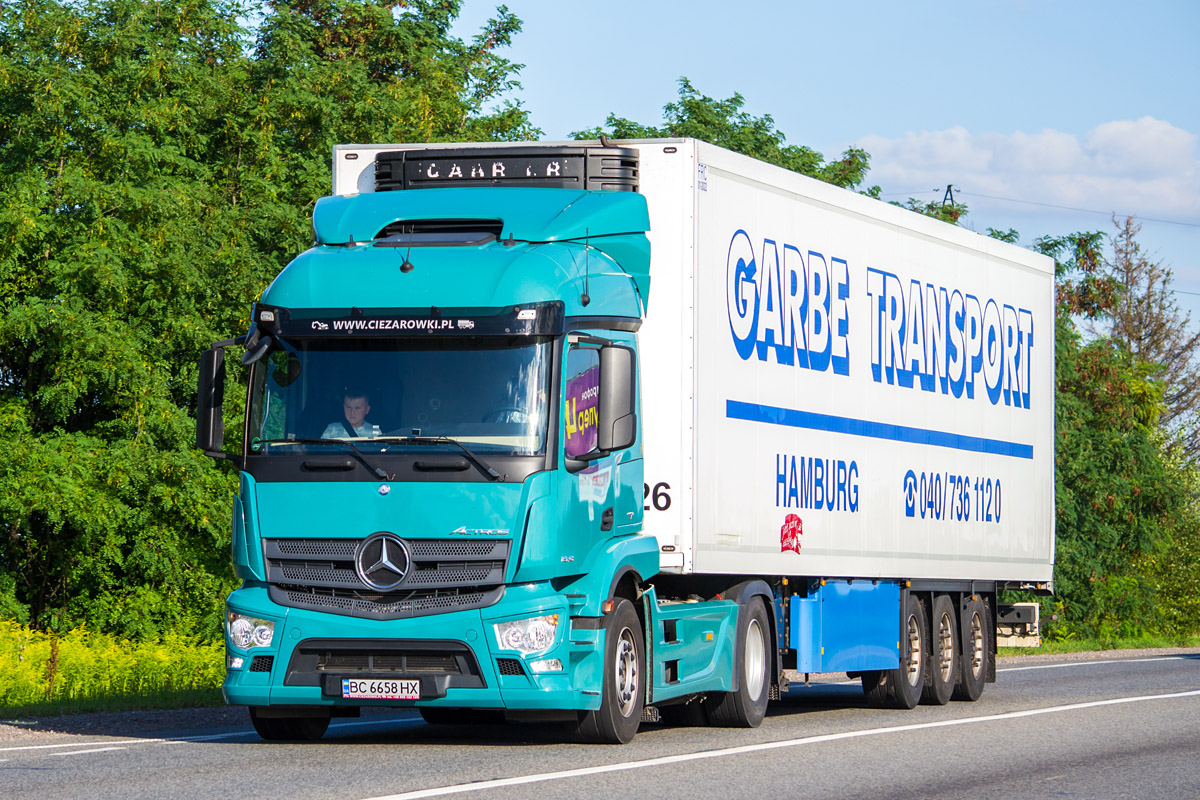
column 381, row 690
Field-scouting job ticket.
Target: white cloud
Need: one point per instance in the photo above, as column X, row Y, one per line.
column 1146, row 167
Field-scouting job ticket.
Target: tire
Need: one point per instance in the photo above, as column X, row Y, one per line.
column 976, row 651
column 283, row 729
column 908, row 680
column 623, row 689
column 692, row 714
column 877, row 686
column 434, row 715
column 746, row 707
column 945, row 653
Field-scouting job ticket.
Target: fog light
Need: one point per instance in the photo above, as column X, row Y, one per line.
column 546, row 665
column 235, row 662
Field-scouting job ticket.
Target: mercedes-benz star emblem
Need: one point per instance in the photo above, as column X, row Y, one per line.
column 382, row 561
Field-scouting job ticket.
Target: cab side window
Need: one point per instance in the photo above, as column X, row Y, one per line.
column 581, row 400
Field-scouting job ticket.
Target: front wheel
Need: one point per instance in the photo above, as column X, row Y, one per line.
column 623, row 689
column 746, row 707
column 282, row 729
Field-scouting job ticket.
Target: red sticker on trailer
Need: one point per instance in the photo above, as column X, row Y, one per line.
column 790, row 533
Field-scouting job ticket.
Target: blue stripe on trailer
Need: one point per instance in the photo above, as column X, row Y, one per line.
column 795, row 418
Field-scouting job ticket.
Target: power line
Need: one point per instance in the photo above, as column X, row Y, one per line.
column 1139, row 217
column 1084, row 210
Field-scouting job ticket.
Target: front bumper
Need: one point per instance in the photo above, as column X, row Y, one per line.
column 455, row 656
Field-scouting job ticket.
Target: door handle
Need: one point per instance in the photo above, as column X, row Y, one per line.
column 606, row 520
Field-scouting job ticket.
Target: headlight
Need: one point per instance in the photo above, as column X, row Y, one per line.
column 528, row 636
column 246, row 632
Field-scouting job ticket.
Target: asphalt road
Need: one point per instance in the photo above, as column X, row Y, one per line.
column 1111, row 726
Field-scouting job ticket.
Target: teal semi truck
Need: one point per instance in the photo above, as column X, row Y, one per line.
column 484, row 472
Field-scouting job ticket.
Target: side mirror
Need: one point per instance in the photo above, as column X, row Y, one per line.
column 617, row 427
column 210, row 427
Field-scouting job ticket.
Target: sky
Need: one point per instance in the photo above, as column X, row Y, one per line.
column 1046, row 117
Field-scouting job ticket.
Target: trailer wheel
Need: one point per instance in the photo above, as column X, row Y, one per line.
column 877, row 686
column 622, row 692
column 277, row 729
column 746, row 707
column 944, row 653
column 909, row 679
column 975, row 652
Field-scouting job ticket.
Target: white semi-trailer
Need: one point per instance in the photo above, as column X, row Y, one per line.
column 484, row 469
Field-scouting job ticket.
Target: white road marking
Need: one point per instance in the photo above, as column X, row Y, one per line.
column 81, row 752
column 442, row 791
column 1098, row 661
column 76, row 744
column 201, row 738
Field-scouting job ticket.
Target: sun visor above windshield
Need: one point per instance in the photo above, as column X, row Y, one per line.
column 529, row 319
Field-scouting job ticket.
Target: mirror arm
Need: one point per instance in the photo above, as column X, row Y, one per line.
column 579, row 463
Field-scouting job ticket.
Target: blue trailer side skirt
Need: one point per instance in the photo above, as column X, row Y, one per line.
column 846, row 626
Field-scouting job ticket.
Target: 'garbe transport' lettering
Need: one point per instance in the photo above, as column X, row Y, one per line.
column 792, row 306
column 945, row 340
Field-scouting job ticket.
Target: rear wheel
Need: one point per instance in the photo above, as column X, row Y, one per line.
column 910, row 677
column 623, row 688
column 976, row 652
column 692, row 714
column 746, row 707
column 944, row 653
column 276, row 729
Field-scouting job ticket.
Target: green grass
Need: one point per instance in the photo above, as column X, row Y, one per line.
column 83, row 671
column 1098, row 645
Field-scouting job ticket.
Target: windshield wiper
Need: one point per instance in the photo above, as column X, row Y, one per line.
column 358, row 453
column 427, row 440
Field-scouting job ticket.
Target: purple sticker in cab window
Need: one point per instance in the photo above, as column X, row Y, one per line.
column 580, row 413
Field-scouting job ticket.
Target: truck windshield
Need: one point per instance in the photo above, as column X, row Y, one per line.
column 491, row 394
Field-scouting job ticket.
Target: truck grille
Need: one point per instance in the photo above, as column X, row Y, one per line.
column 445, row 575
column 418, row 664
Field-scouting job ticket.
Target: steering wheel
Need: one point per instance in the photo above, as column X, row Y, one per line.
column 507, row 414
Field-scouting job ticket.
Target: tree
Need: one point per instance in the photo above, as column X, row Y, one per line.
column 1148, row 322
column 726, row 124
column 161, row 162
column 1122, row 499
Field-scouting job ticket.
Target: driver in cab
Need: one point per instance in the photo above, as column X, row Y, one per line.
column 355, row 406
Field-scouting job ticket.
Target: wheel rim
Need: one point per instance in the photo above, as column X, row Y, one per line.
column 626, row 673
column 976, row 645
column 755, row 660
column 916, row 654
column 946, row 647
